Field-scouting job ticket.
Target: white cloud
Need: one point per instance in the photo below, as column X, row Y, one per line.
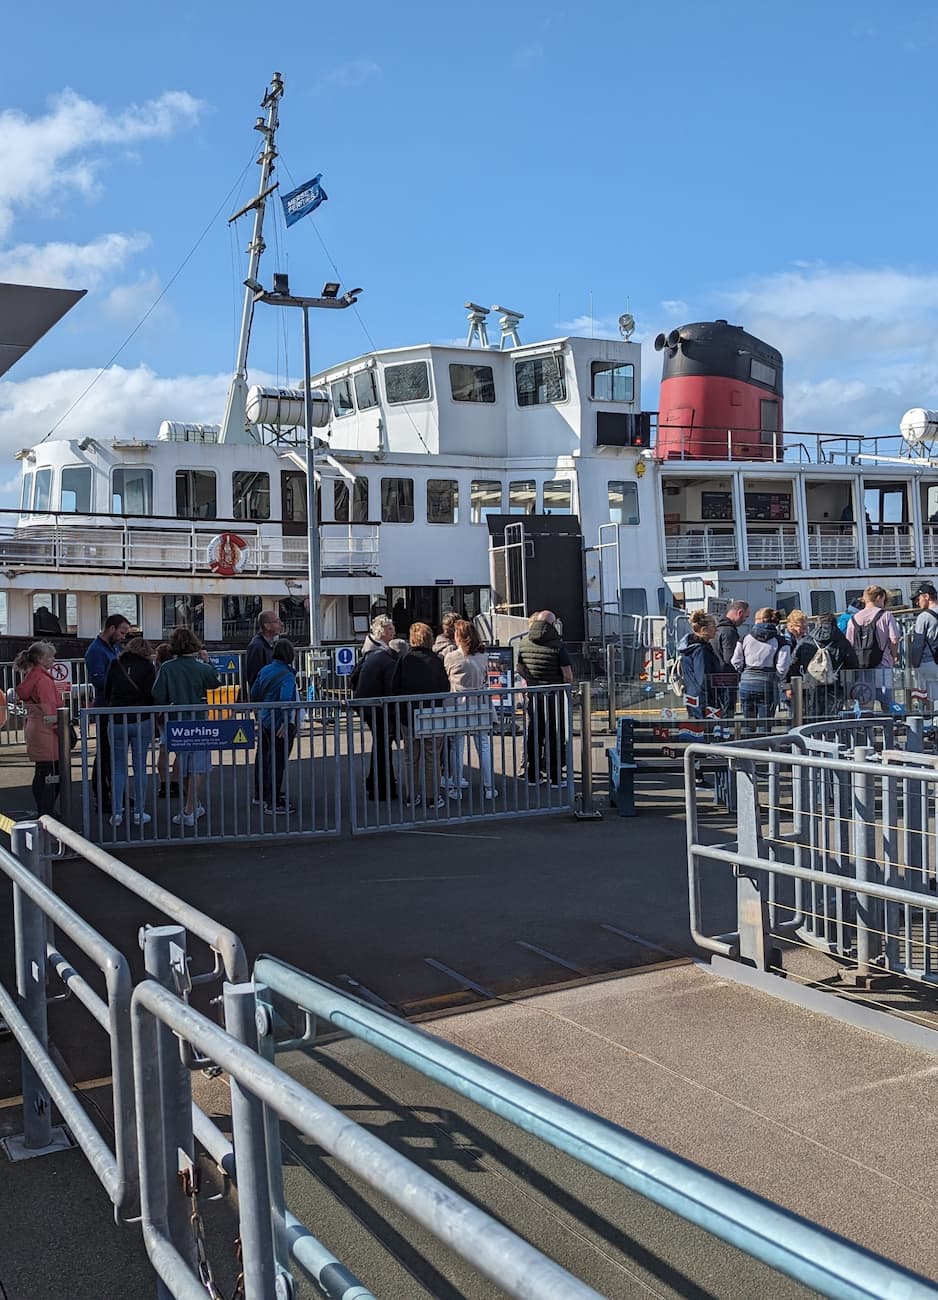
column 349, row 75
column 58, row 265
column 130, row 301
column 45, row 159
column 677, row 308
column 587, row 327
column 848, row 293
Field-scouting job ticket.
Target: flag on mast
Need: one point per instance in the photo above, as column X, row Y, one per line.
column 303, row 200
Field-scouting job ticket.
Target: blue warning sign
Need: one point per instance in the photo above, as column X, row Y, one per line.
column 196, row 734
column 225, row 663
column 344, row 660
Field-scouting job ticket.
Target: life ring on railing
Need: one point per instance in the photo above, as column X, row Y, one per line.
column 227, row 554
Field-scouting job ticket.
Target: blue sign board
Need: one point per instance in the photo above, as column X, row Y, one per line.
column 237, row 733
column 344, row 660
column 225, row 663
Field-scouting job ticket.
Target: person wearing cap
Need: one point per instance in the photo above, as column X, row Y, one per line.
column 923, row 650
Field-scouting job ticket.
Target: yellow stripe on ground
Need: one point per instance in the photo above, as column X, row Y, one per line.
column 6, row 824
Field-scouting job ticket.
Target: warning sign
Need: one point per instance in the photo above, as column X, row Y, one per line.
column 196, row 734
column 226, row 663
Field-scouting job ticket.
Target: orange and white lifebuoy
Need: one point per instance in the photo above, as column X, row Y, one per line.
column 227, row 554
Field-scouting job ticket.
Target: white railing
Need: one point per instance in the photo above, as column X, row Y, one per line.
column 929, row 545
column 702, row 548
column 345, row 548
column 773, row 548
column 890, row 544
column 832, row 546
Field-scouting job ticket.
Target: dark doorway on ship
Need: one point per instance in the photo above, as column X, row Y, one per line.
column 431, row 604
column 239, row 619
column 294, row 620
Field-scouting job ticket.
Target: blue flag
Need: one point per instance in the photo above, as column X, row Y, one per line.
column 298, row 203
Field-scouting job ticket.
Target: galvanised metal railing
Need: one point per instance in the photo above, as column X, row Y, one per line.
column 851, row 829
column 819, row 1259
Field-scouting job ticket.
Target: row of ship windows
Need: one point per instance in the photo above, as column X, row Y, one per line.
column 538, row 380
column 197, row 497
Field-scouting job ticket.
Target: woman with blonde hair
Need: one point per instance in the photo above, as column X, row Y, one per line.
column 467, row 668
column 39, row 693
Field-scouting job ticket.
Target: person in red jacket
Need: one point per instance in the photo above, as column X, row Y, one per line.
column 41, row 697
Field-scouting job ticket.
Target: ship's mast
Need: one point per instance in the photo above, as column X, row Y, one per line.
column 235, row 426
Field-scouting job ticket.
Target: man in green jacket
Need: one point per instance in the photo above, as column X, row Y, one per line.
column 543, row 660
column 185, row 679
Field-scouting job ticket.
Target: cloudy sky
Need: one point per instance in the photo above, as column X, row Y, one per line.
column 769, row 164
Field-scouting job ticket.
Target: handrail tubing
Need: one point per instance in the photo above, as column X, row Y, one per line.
column 775, row 1236
column 493, row 1249
column 222, row 941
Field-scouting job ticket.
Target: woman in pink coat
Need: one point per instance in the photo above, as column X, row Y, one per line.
column 41, row 696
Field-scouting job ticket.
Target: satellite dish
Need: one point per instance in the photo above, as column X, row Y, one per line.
column 918, row 426
column 627, row 325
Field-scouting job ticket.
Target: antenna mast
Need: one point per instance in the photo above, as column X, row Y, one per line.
column 235, row 425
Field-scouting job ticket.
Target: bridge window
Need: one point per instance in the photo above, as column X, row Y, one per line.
column 183, row 611
column 26, row 496
column 485, row 498
column 522, row 497
column 250, row 494
column 397, row 500
column 472, row 383
column 43, row 489
column 540, row 380
column 612, row 382
column 366, row 389
column 342, row 403
column 195, row 494
column 407, row 383
column 558, row 496
column 132, row 492
column 623, row 503
column 442, row 501
column 76, row 489
column 359, row 501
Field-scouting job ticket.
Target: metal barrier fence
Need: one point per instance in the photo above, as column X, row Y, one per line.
column 835, row 849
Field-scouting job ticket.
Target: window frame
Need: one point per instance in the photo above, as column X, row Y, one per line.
column 478, row 512
column 407, row 401
column 454, row 485
column 356, row 500
column 373, row 378
column 238, row 499
column 146, row 473
column 43, row 476
column 552, row 509
column 609, row 367
column 385, row 499
column 478, row 385
column 559, row 362
column 197, row 609
column 523, row 483
column 88, row 473
column 629, row 489
column 26, row 491
column 190, row 473
column 345, row 380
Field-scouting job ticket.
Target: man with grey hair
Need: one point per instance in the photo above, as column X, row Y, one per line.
column 260, row 651
column 379, row 635
column 543, row 660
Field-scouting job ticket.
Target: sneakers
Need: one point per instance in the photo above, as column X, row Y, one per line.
column 453, row 791
column 188, row 819
column 464, row 784
column 273, row 808
column 489, row 792
column 440, row 802
column 141, row 819
column 117, row 819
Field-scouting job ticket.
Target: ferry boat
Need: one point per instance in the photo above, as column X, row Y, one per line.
column 492, row 478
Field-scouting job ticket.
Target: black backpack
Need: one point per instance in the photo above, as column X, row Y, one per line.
column 866, row 643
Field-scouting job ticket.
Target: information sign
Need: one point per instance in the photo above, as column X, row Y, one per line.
column 235, row 733
column 344, row 660
column 225, row 662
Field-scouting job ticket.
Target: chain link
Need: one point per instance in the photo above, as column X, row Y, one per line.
column 190, row 1185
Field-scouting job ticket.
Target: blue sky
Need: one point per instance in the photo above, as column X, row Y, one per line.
column 770, row 164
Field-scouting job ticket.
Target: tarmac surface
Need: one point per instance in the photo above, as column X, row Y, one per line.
column 484, row 920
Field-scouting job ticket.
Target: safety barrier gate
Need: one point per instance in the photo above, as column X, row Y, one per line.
column 835, row 847
column 157, row 1125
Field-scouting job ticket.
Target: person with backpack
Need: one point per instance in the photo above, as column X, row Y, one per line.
column 276, row 684
column 762, row 659
column 923, row 649
column 874, row 635
column 819, row 659
column 700, row 667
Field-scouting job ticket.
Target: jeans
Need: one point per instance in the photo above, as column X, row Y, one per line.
column 483, row 744
column 45, row 793
column 138, row 738
column 758, row 694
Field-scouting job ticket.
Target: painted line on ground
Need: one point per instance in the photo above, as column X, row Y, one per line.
column 407, row 880
column 642, row 943
column 367, row 995
column 449, row 835
column 463, row 980
column 551, row 956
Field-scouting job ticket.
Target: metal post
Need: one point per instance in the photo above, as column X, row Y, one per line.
column 164, row 953
column 797, row 701
column 864, row 859
column 64, row 727
column 751, row 893
column 248, row 1128
column 611, row 684
column 915, row 731
column 586, row 810
column 312, row 515
column 29, row 928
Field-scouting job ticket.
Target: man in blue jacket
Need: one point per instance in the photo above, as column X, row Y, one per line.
column 99, row 656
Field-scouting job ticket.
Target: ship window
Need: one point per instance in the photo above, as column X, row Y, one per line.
column 26, row 497
column 342, row 403
column 359, row 501
column 623, row 503
column 442, row 501
column 558, row 496
column 539, row 380
column 76, row 489
column 250, row 494
column 472, row 383
column 397, row 500
column 768, row 416
column 366, row 390
column 120, row 603
column 761, row 373
column 184, row 611
column 239, row 618
column 613, row 382
column 132, row 492
column 823, row 602
column 407, row 383
column 43, row 489
column 522, row 497
column 195, row 494
column 485, row 498
column 786, row 601
column 894, row 596
column 633, row 600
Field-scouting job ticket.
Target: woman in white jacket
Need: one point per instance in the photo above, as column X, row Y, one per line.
column 467, row 669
